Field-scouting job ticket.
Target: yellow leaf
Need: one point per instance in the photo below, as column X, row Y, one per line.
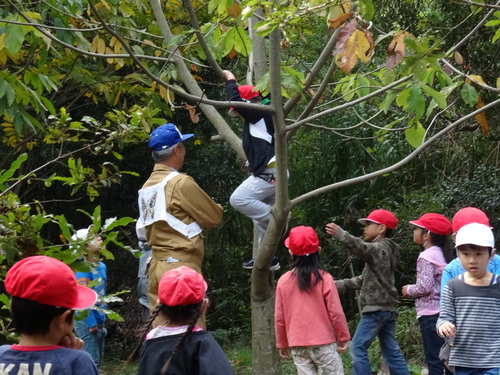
column 481, row 117
column 163, row 93
column 101, row 46
column 2, row 38
column 478, row 79
column 458, row 58
column 498, row 83
column 339, row 10
column 109, row 51
column 117, row 97
column 149, row 43
column 95, row 43
column 153, row 86
column 105, row 4
column 349, row 58
column 364, row 48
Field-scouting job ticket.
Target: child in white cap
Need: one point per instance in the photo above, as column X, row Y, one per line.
column 310, row 322
column 470, row 304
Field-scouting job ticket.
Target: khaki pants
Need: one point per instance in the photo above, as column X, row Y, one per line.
column 318, row 359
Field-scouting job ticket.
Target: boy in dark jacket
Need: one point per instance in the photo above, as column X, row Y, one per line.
column 255, row 196
column 379, row 295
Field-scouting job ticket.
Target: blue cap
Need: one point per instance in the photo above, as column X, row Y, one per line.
column 166, row 136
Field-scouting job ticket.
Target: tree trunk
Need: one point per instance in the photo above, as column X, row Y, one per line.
column 265, row 359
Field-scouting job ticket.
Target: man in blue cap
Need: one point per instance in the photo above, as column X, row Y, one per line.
column 174, row 210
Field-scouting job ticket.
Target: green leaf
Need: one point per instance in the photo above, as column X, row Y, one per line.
column 242, row 42
column 437, row 96
column 16, row 164
column 110, row 225
column 386, row 104
column 14, row 38
column 415, row 134
column 469, row 94
column 416, row 102
column 419, row 70
column 367, row 9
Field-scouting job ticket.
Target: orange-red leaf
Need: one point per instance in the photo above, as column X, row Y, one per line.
column 396, row 51
column 194, row 68
column 195, row 118
column 232, row 53
column 481, row 117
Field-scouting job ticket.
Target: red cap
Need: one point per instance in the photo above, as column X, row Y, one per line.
column 247, row 92
column 434, row 223
column 48, row 281
column 381, row 217
column 302, row 240
column 469, row 215
column 181, row 286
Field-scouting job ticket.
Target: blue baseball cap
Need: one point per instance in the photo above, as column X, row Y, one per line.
column 166, row 136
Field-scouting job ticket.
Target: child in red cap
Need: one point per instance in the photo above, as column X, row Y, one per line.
column 464, row 216
column 44, row 296
column 180, row 347
column 379, row 296
column 310, row 321
column 432, row 232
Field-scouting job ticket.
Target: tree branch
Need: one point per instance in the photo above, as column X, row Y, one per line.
column 394, row 167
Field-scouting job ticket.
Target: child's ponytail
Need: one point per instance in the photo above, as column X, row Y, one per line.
column 147, row 327
column 194, row 311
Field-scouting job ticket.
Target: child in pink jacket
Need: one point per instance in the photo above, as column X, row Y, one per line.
column 310, row 322
column 432, row 233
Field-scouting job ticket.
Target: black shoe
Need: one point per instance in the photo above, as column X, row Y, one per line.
column 275, row 264
column 248, row 264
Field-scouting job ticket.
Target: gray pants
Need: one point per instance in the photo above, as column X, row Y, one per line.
column 254, row 197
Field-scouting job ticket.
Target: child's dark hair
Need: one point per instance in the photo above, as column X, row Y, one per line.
column 306, row 265
column 442, row 242
column 175, row 314
column 474, row 248
column 34, row 318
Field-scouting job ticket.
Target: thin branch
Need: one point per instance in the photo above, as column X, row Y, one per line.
column 395, row 166
column 349, row 104
column 472, row 32
column 486, row 87
column 479, row 5
column 46, row 165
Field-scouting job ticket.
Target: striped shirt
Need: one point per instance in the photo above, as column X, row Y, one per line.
column 475, row 311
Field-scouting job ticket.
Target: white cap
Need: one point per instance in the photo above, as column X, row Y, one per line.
column 475, row 234
column 80, row 234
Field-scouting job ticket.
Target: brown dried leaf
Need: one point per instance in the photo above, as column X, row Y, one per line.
column 481, row 117
column 396, row 51
column 458, row 58
column 339, row 21
column 344, row 35
column 234, row 10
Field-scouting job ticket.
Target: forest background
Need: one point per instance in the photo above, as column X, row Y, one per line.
column 77, row 111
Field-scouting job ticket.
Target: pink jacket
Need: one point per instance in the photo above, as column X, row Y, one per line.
column 308, row 318
column 430, row 265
